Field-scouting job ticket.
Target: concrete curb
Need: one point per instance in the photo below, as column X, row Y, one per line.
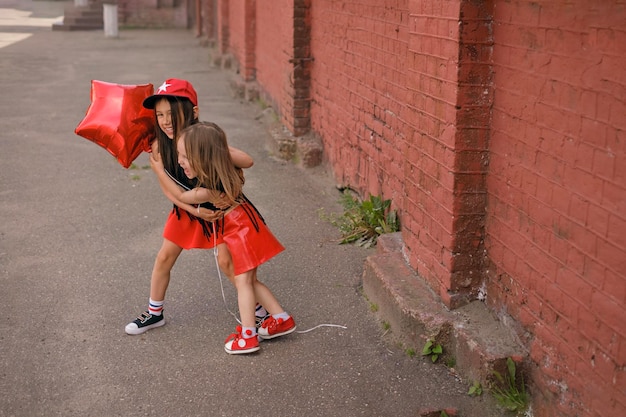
column 475, row 343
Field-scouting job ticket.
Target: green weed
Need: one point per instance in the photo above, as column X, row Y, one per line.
column 364, row 220
column 475, row 390
column 507, row 394
column 432, row 349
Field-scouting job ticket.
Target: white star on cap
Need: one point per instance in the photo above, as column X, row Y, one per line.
column 163, row 88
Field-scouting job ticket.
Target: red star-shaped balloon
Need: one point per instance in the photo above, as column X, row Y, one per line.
column 117, row 120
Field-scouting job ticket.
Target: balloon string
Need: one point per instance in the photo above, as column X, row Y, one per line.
column 219, row 274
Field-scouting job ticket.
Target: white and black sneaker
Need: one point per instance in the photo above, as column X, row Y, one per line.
column 144, row 322
column 261, row 319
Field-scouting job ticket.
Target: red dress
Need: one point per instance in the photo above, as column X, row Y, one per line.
column 185, row 232
column 249, row 240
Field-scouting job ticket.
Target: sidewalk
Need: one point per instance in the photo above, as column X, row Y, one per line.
column 80, row 233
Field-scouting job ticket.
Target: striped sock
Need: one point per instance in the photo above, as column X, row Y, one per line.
column 155, row 307
column 260, row 311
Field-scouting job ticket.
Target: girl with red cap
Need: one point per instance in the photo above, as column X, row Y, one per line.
column 176, row 107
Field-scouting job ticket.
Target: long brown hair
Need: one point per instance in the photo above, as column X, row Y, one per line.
column 209, row 156
column 182, row 117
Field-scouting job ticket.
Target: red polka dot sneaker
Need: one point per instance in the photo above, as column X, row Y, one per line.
column 272, row 328
column 236, row 344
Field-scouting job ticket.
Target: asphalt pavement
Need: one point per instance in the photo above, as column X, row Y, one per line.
column 79, row 235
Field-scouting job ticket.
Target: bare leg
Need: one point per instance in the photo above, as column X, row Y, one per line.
column 165, row 260
column 225, row 261
column 264, row 296
column 246, row 297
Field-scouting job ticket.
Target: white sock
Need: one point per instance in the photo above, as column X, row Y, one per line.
column 284, row 315
column 248, row 332
column 155, row 307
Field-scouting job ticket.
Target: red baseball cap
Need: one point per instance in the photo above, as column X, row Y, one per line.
column 173, row 87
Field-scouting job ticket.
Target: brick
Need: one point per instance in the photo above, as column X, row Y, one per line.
column 574, row 285
column 603, row 164
column 597, row 220
column 578, row 207
column 544, row 190
column 617, row 109
column 550, row 92
column 611, row 312
column 583, row 159
column 569, row 148
column 579, row 236
column 560, row 200
column 613, row 197
column 592, row 327
column 617, row 230
column 588, row 104
column 575, row 260
column 614, row 284
column 584, row 183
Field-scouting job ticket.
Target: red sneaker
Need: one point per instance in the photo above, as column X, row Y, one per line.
column 236, row 344
column 272, row 328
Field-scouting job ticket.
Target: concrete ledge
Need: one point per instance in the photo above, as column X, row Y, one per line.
column 306, row 151
column 476, row 341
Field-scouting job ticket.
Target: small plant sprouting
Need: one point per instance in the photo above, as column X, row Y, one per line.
column 363, row 221
column 451, row 362
column 475, row 390
column 432, row 349
column 443, row 414
column 410, row 352
column 507, row 393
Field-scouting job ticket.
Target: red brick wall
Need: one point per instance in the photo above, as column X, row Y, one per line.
column 274, row 26
column 242, row 35
column 358, row 91
column 449, row 94
column 497, row 130
column 400, row 118
column 556, row 230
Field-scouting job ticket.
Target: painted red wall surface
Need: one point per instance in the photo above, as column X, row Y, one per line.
column 274, row 26
column 556, row 228
column 497, row 129
column 358, row 91
column 240, row 36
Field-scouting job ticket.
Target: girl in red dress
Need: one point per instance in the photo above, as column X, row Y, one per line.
column 203, row 154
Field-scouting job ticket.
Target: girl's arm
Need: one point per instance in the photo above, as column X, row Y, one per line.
column 202, row 195
column 173, row 191
column 240, row 158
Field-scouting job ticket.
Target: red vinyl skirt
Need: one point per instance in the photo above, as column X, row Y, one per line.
column 186, row 233
column 248, row 246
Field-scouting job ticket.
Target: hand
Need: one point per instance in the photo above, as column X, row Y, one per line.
column 156, row 163
column 223, row 202
column 208, row 215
